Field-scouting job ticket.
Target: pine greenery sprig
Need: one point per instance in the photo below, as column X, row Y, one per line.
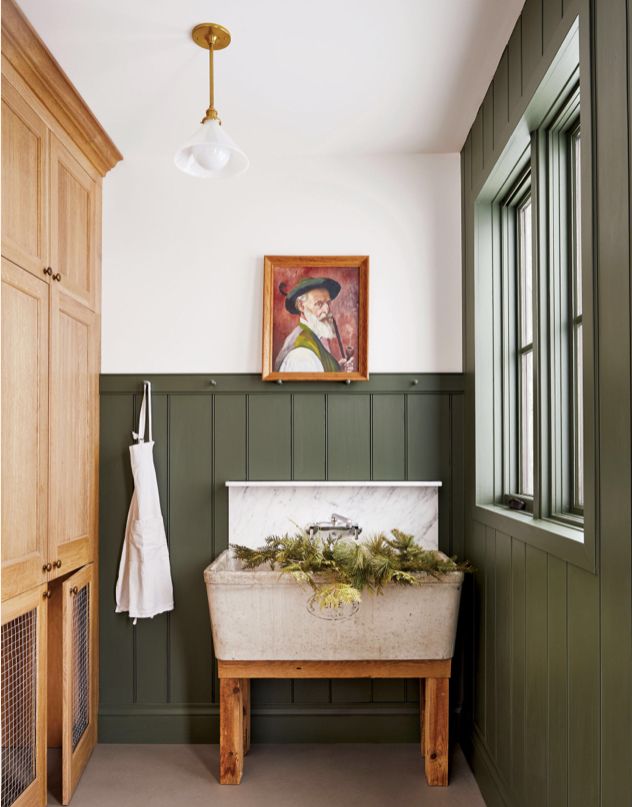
column 339, row 569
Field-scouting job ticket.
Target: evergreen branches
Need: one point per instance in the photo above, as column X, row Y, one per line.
column 339, row 569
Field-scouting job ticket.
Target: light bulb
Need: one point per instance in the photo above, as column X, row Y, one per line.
column 210, row 157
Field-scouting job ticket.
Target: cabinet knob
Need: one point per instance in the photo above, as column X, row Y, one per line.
column 57, row 276
column 57, row 564
column 47, row 594
column 47, row 567
column 48, row 271
column 74, row 590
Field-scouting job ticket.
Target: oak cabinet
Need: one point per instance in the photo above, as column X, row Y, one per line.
column 24, row 182
column 74, row 430
column 79, row 676
column 51, row 206
column 50, row 366
column 54, row 155
column 23, row 702
column 73, row 205
column 25, row 433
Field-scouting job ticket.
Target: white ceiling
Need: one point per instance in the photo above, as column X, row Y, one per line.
column 301, row 77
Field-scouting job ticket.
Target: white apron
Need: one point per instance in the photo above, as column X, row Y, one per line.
column 144, row 586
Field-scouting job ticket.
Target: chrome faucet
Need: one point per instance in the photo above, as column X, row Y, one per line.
column 337, row 523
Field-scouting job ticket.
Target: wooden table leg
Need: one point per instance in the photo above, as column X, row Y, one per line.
column 245, row 689
column 436, row 730
column 422, row 696
column 231, row 731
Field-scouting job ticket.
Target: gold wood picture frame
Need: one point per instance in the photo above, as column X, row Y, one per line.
column 315, row 318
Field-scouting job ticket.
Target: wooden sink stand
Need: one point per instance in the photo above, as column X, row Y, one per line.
column 234, row 705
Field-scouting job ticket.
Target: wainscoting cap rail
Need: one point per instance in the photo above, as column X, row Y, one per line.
column 231, row 383
column 288, row 483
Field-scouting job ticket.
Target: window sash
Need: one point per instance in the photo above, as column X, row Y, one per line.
column 576, row 414
column 542, row 326
column 517, row 344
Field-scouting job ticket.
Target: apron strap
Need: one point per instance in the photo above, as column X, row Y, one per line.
column 145, row 409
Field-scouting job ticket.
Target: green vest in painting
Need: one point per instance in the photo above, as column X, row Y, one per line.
column 308, row 339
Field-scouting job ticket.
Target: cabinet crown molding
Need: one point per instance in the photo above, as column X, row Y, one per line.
column 30, row 57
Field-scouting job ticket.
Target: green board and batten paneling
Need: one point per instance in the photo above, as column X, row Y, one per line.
column 549, row 705
column 157, row 679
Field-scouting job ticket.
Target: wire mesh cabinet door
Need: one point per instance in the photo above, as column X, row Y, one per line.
column 23, row 704
column 79, row 728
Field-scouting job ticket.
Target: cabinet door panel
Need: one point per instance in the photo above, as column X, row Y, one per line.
column 24, row 429
column 23, row 701
column 74, row 432
column 79, row 676
column 24, row 182
column 73, row 224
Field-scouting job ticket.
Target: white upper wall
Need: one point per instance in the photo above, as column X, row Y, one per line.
column 334, row 102
column 183, row 258
column 300, row 77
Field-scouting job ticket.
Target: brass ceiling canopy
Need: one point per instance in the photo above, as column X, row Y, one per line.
column 210, row 33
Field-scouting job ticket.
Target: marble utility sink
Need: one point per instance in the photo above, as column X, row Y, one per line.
column 262, row 614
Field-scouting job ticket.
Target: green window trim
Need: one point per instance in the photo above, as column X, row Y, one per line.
column 560, row 534
column 517, row 341
column 563, row 307
column 541, row 323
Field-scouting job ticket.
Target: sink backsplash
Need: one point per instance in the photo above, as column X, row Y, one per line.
column 259, row 509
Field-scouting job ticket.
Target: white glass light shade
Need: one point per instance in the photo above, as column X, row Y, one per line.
column 211, row 152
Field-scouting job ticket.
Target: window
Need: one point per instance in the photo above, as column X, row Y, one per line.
column 564, row 354
column 576, row 415
column 541, row 324
column 517, row 329
column 525, row 349
column 529, row 323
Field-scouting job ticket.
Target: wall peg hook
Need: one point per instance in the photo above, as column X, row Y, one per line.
column 213, row 382
column 415, row 382
column 279, row 380
column 348, row 381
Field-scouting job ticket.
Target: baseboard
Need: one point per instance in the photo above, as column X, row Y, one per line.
column 486, row 773
column 200, row 724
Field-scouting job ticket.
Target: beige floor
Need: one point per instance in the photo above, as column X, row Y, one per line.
column 275, row 776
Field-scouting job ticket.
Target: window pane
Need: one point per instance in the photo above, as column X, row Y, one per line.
column 579, row 418
column 525, row 273
column 526, row 423
column 576, row 335
column 577, row 222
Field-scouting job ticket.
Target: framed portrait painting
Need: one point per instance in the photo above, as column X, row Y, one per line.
column 315, row 318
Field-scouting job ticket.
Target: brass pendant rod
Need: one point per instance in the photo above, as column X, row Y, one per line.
column 211, row 112
column 211, row 49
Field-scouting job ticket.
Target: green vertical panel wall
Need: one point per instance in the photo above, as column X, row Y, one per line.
column 117, row 668
column 190, row 451
column 158, row 679
column 309, row 429
column 348, row 436
column 559, row 729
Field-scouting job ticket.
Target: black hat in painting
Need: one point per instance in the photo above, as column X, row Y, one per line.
column 305, row 285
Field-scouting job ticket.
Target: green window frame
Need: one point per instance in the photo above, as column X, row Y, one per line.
column 516, row 222
column 577, row 325
column 560, row 136
column 541, row 322
column 541, row 143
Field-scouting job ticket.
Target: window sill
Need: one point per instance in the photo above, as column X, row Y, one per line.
column 565, row 542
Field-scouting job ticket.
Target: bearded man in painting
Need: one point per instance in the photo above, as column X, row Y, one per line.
column 304, row 350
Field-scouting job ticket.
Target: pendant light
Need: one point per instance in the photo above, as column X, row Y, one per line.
column 211, row 152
